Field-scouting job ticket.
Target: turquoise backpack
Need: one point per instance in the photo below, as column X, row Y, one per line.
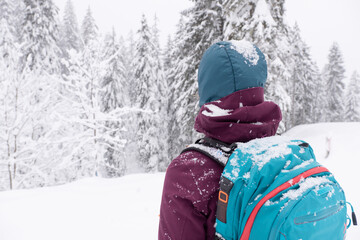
column 273, row 188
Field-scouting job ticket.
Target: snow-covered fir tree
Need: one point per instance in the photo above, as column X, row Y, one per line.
column 319, row 101
column 352, row 107
column 17, row 16
column 70, row 34
column 304, row 80
column 113, row 95
column 171, row 55
column 113, row 83
column 131, row 124
column 161, row 94
column 261, row 22
column 39, row 36
column 202, row 27
column 168, row 60
column 334, row 75
column 148, row 79
column 5, row 9
column 142, row 64
column 89, row 29
column 129, row 53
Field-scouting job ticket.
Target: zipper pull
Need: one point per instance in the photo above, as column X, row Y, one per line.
column 353, row 215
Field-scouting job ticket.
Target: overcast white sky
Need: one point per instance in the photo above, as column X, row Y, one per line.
column 321, row 21
column 324, row 21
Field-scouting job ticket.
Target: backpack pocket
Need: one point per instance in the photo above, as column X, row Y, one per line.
column 319, row 214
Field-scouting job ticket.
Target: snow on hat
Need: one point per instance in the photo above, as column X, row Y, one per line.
column 227, row 67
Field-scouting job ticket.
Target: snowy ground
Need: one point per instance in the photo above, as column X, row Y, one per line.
column 90, row 209
column 128, row 207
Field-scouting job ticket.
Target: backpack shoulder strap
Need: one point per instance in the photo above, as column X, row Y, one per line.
column 212, row 148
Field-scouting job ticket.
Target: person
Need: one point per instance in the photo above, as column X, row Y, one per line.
column 231, row 78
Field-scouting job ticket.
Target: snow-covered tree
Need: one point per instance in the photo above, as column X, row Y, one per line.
column 114, row 95
column 334, row 75
column 9, row 56
column 39, row 36
column 161, row 98
column 148, row 96
column 130, row 123
column 30, row 93
column 5, row 9
column 201, row 27
column 319, row 101
column 304, row 80
column 142, row 64
column 17, row 17
column 171, row 71
column 141, row 71
column 84, row 79
column 129, row 54
column 113, row 83
column 147, row 92
column 261, row 22
column 89, row 29
column 93, row 113
column 352, row 107
column 70, row 30
column 168, row 60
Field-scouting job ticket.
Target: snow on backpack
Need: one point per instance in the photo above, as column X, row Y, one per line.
column 273, row 188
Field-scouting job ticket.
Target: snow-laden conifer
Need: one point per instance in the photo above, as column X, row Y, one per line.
column 113, row 95
column 334, row 75
column 261, row 22
column 169, row 58
column 160, row 92
column 202, row 27
column 113, row 83
column 173, row 54
column 352, row 107
column 148, row 95
column 70, row 34
column 304, row 80
column 89, row 29
column 319, row 101
column 39, row 36
column 5, row 9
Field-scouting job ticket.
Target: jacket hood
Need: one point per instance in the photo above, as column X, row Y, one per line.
column 227, row 67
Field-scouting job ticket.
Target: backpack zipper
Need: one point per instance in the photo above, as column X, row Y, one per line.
column 250, row 221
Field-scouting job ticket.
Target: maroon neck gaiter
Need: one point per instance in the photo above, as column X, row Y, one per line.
column 239, row 117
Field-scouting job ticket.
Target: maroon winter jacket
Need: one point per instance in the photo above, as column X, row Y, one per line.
column 191, row 184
